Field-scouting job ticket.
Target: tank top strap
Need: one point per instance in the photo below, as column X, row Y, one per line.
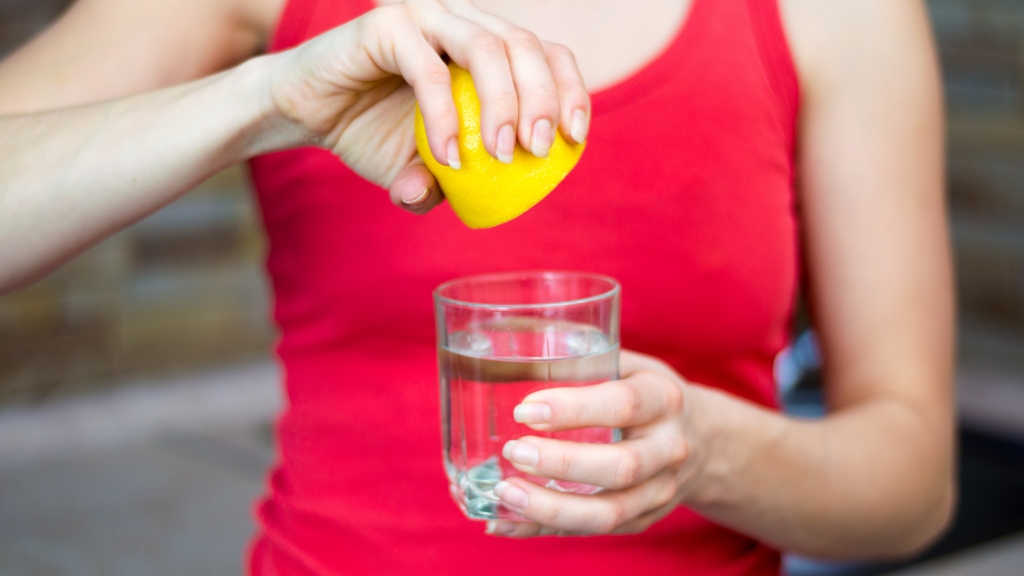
column 776, row 59
column 304, row 19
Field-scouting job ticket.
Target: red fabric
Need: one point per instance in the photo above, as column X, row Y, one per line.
column 684, row 194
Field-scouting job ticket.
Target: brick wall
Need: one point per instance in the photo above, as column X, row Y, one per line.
column 184, row 289
column 982, row 50
column 181, row 290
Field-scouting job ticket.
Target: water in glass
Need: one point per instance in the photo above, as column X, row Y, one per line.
column 486, row 370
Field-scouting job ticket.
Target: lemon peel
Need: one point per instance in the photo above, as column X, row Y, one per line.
column 485, row 192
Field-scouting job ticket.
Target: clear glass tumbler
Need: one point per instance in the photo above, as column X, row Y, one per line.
column 501, row 337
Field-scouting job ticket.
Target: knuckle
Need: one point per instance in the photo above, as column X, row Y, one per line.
column 577, row 97
column 435, row 73
column 486, row 42
column 560, row 51
column 610, row 518
column 648, row 377
column 545, row 100
column 627, row 403
column 503, row 106
column 665, row 496
column 627, row 469
column 679, row 452
column 522, row 39
column 549, row 515
column 665, row 491
column 560, row 464
column 507, row 101
column 673, row 396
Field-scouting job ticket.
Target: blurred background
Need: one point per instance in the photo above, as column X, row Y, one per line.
column 137, row 391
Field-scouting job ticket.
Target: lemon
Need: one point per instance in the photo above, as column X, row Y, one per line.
column 485, row 192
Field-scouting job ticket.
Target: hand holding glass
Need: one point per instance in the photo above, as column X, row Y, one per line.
column 500, row 338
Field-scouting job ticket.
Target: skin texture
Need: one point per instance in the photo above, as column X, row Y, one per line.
column 872, row 480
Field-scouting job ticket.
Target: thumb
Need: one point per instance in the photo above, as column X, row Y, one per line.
column 415, row 189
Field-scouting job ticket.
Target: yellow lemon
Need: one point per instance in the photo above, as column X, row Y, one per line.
column 486, row 192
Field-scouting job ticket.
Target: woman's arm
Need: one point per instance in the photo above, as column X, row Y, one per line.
column 70, row 177
column 877, row 249
column 873, row 479
column 104, row 49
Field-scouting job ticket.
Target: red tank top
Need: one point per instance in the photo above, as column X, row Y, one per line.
column 684, row 194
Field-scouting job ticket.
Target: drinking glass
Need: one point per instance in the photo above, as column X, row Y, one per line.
column 501, row 337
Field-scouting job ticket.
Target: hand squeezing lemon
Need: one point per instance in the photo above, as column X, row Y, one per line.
column 485, row 192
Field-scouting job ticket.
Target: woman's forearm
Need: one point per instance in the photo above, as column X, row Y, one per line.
column 70, row 177
column 862, row 482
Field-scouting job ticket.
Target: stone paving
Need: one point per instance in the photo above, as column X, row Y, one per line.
column 150, row 481
column 170, row 508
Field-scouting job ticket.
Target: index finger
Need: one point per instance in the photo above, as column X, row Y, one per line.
column 643, row 397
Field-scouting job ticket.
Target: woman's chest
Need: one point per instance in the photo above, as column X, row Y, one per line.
column 685, row 194
column 698, row 226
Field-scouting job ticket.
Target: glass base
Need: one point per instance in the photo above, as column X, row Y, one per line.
column 473, row 491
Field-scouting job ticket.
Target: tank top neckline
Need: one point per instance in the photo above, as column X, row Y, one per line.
column 620, row 93
column 652, row 73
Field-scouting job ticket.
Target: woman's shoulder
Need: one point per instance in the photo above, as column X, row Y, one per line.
column 835, row 42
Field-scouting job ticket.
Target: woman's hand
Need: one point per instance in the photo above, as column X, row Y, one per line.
column 352, row 91
column 646, row 475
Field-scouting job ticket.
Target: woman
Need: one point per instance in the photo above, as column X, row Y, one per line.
column 700, row 110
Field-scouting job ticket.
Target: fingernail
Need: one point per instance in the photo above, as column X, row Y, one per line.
column 512, row 495
column 541, row 139
column 417, row 200
column 500, row 528
column 453, row 154
column 521, row 453
column 578, row 126
column 532, row 413
column 506, row 143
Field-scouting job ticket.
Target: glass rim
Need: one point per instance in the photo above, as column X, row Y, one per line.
column 615, row 289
